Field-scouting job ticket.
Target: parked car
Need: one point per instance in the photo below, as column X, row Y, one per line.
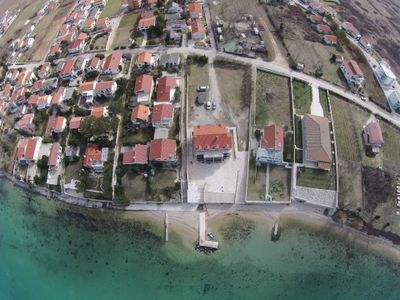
column 363, row 98
column 208, row 105
column 214, row 105
column 202, row 88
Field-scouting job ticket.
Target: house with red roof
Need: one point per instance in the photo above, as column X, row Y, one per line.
column 103, row 24
column 78, row 45
column 67, row 71
column 166, row 88
column 145, row 23
column 198, row 30
column 5, row 93
column 88, row 25
column 211, row 143
column 144, row 87
column 25, row 124
column 330, row 39
column 99, row 112
column 25, row 79
column 58, row 97
column 270, row 148
column 94, row 65
column 350, row 29
column 94, row 158
column 44, row 71
column 28, row 150
column 145, row 59
column 373, row 137
column 38, row 86
column 365, row 44
column 105, row 89
column 352, row 73
column 55, row 125
column 314, row 19
column 75, row 123
column 323, row 28
column 140, row 116
column 195, row 10
column 39, row 102
column 138, row 155
column 54, row 164
column 112, row 64
column 12, row 75
column 134, row 4
column 163, row 151
column 55, row 51
column 163, row 115
column 18, row 96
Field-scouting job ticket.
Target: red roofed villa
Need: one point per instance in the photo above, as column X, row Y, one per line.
column 270, row 150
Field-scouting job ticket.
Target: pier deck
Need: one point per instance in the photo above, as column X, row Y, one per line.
column 202, row 233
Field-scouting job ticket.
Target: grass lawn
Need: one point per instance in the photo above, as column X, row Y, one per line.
column 141, row 136
column 134, row 187
column 197, row 75
column 316, row 178
column 111, row 9
column 101, row 42
column 323, row 99
column 257, row 182
column 279, row 183
column 161, row 185
column 129, row 20
column 302, row 94
column 272, row 100
column 173, row 132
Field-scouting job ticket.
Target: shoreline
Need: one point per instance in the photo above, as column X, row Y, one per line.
column 184, row 224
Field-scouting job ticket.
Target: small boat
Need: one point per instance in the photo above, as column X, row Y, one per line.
column 212, row 236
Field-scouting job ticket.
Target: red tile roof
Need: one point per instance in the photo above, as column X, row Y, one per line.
column 104, row 85
column 55, row 99
column 143, row 84
column 197, row 26
column 54, row 124
column 136, row 156
column 140, row 112
column 353, row 68
column 373, row 134
column 98, row 112
column 68, row 66
column 147, row 22
column 162, row 111
column 211, row 137
column 163, row 150
column 144, row 57
column 194, row 7
column 87, row 86
column 25, row 120
column 324, row 28
column 26, row 149
column 92, row 153
column 164, row 87
column 112, row 61
column 54, row 153
column 75, row 123
column 272, row 137
column 330, row 38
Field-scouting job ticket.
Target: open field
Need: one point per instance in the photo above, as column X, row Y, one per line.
column 350, row 185
column 272, row 100
column 124, row 31
column 27, row 13
column 391, row 148
column 349, row 123
column 46, row 30
column 378, row 20
column 257, row 182
column 302, row 94
column 316, row 178
column 111, row 9
column 141, row 136
column 279, row 183
column 236, row 96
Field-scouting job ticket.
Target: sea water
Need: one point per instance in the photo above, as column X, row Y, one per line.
column 52, row 251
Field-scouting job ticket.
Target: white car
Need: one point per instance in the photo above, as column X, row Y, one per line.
column 208, row 105
column 363, row 98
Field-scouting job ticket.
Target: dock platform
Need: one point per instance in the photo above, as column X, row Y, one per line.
column 202, row 233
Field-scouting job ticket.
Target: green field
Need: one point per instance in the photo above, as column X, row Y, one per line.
column 129, row 20
column 316, row 178
column 302, row 94
column 272, row 100
column 323, row 99
column 111, row 9
column 256, row 182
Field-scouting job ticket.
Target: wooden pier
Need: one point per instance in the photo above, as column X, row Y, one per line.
column 166, row 226
column 202, row 233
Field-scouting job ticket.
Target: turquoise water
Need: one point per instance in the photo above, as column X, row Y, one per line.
column 50, row 251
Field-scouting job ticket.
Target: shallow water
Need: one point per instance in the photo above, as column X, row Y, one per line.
column 51, row 251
